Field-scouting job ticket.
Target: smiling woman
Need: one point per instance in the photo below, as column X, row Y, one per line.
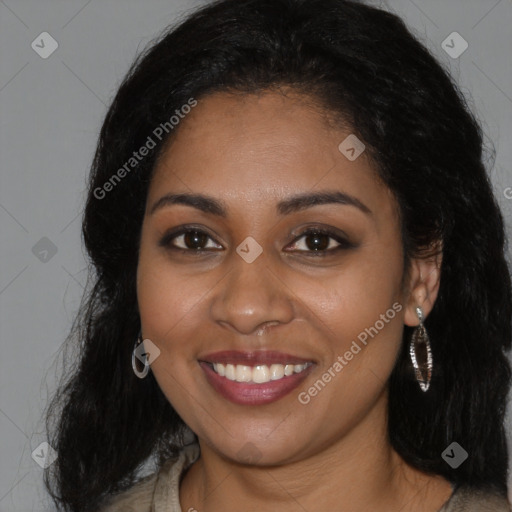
column 297, row 304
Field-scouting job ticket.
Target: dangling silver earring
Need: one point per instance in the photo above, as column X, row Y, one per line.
column 138, row 353
column 421, row 353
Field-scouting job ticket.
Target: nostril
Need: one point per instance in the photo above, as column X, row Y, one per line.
column 260, row 331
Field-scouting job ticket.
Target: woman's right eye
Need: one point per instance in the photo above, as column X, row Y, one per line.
column 189, row 240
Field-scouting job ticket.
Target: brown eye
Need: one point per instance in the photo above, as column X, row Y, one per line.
column 194, row 239
column 189, row 240
column 319, row 242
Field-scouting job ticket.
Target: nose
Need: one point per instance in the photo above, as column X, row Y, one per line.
column 261, row 330
column 252, row 298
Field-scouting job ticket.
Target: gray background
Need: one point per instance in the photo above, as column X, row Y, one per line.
column 51, row 112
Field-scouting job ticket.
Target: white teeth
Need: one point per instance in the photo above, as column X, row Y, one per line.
column 230, row 372
column 243, row 373
column 276, row 371
column 258, row 374
column 288, row 369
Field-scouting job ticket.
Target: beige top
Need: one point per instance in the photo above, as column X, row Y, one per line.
column 159, row 492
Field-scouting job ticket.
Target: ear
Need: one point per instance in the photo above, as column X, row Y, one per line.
column 423, row 285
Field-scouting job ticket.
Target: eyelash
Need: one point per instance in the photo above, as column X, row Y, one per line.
column 343, row 243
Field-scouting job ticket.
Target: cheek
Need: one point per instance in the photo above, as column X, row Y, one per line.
column 354, row 295
column 165, row 294
column 359, row 312
column 168, row 303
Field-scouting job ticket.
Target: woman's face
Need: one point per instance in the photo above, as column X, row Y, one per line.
column 267, row 295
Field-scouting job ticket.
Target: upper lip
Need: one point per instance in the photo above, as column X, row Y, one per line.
column 253, row 358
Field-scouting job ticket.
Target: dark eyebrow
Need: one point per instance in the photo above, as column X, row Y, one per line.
column 307, row 200
column 296, row 203
column 199, row 201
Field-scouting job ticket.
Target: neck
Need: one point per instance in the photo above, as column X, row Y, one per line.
column 358, row 472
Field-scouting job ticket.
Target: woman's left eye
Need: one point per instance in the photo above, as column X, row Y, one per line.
column 319, row 242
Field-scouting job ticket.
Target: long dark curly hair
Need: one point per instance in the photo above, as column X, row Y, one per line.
column 363, row 65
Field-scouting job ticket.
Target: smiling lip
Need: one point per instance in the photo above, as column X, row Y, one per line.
column 253, row 358
column 245, row 393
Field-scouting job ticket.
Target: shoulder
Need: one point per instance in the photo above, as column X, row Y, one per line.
column 466, row 499
column 136, row 499
column 155, row 488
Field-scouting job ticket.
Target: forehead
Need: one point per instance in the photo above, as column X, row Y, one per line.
column 261, row 147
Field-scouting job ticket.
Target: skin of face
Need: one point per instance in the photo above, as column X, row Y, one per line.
column 249, row 152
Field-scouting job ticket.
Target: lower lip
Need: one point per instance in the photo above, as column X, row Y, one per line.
column 243, row 393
